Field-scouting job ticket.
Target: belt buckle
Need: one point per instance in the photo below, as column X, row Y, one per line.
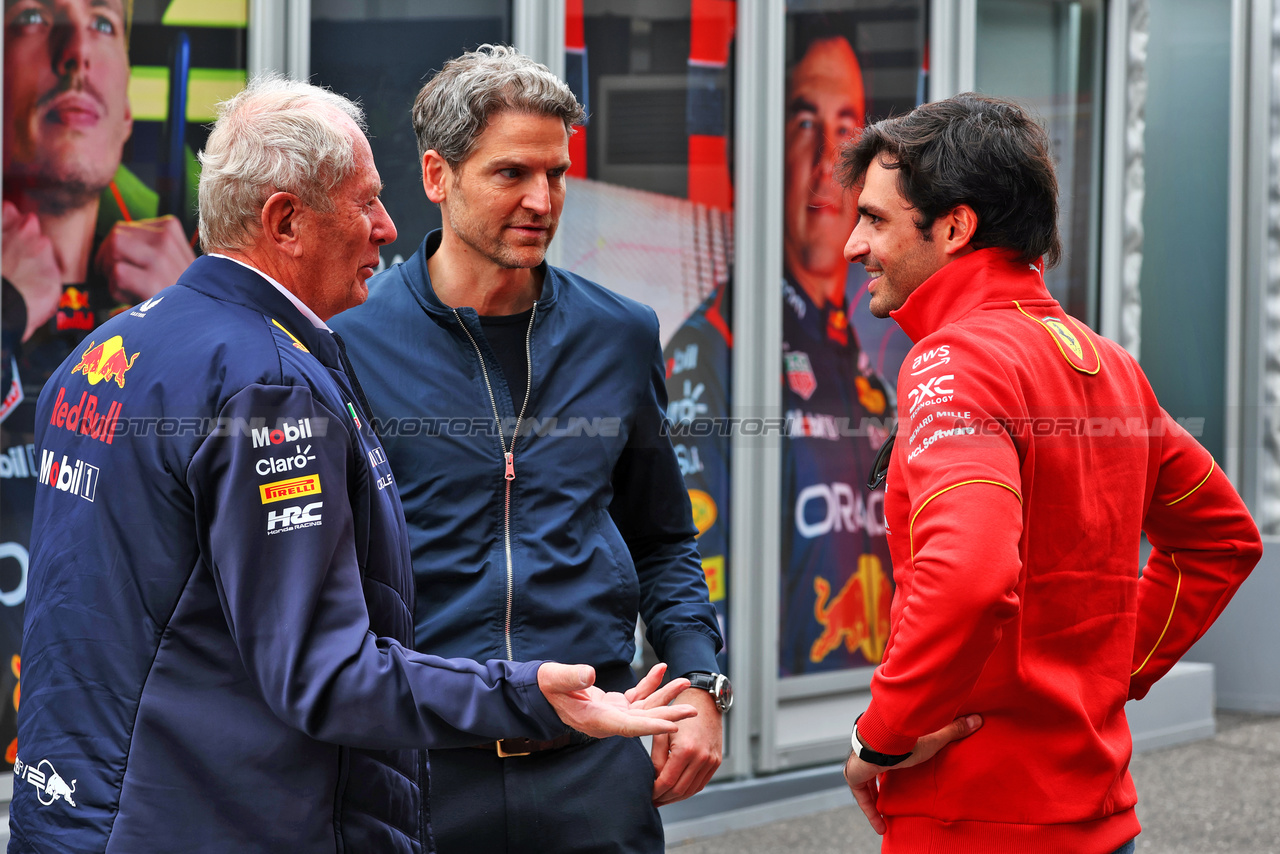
column 502, row 753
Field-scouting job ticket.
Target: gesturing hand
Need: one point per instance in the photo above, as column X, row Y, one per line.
column 861, row 776
column 570, row 688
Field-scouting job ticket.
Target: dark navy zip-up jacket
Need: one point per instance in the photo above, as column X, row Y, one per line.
column 596, row 519
column 216, row 651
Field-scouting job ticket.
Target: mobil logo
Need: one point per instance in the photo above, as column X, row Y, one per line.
column 74, row 476
column 300, row 428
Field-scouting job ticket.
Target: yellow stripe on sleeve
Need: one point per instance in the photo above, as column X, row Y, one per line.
column 1176, row 590
column 1212, row 466
column 911, row 541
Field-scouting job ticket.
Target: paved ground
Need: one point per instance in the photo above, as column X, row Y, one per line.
column 1219, row 795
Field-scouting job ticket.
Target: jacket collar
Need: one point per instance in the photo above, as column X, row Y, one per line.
column 966, row 284
column 224, row 279
column 419, row 280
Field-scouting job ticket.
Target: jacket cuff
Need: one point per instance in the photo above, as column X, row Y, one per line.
column 686, row 652
column 524, row 680
column 879, row 737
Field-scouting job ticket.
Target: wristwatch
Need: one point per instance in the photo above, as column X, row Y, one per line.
column 875, row 757
column 715, row 684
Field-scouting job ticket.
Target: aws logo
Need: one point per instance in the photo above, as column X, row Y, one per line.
column 942, row 355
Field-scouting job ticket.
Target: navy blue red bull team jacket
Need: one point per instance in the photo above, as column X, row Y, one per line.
column 219, row 609
column 594, row 524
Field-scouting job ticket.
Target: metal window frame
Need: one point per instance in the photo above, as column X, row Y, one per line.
column 756, row 465
column 279, row 38
column 1111, row 270
column 537, row 30
column 1249, row 182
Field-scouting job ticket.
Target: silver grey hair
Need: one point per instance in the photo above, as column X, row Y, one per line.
column 276, row 135
column 454, row 108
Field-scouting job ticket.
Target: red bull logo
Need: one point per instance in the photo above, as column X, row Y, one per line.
column 73, row 310
column 105, row 361
column 73, row 299
column 84, row 417
column 858, row 616
column 48, row 783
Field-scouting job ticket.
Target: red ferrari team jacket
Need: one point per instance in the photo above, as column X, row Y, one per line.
column 1031, row 456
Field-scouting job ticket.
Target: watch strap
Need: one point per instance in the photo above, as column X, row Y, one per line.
column 875, row 757
column 715, row 684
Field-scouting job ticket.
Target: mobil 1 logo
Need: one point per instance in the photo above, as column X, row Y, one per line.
column 289, row 430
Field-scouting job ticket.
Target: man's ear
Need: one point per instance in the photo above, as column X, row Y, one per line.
column 436, row 176
column 957, row 229
column 281, row 215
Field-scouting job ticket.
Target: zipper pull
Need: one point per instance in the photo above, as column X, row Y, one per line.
column 511, row 465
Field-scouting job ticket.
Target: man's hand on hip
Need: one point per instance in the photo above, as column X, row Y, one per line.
column 641, row 711
column 686, row 759
column 862, row 776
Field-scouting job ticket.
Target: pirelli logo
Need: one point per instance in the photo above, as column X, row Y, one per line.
column 294, row 487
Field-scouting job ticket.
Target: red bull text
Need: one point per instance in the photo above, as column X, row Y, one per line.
column 84, row 417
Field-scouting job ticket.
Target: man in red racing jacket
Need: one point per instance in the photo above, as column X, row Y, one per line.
column 1031, row 456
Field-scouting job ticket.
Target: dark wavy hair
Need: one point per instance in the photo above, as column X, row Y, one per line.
column 972, row 150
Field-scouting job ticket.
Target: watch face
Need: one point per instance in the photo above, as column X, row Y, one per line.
column 723, row 692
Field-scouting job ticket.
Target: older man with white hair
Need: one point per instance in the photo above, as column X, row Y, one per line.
column 218, row 646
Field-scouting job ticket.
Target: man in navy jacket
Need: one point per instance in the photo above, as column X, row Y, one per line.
column 522, row 408
column 217, row 646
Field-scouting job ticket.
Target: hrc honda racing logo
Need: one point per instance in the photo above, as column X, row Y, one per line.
column 292, row 518
column 74, row 476
column 49, row 784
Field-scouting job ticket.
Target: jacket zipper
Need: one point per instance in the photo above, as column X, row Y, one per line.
column 508, row 454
